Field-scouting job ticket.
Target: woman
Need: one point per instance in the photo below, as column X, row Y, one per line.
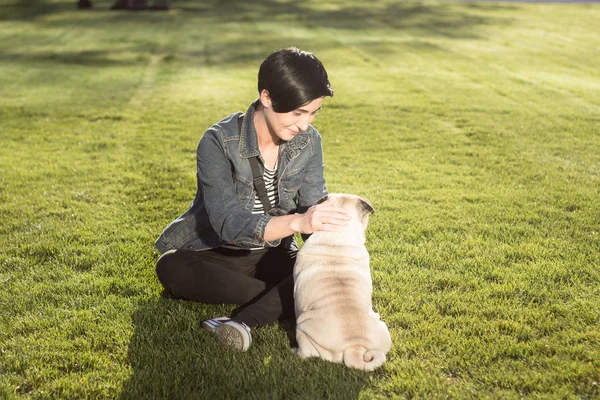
column 226, row 248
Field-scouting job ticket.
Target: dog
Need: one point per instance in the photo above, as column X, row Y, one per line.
column 332, row 294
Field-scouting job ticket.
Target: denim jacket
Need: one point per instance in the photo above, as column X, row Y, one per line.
column 221, row 212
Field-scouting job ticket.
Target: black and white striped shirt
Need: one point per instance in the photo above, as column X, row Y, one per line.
column 270, row 178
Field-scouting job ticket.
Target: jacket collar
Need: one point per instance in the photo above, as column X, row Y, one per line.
column 248, row 138
column 248, row 146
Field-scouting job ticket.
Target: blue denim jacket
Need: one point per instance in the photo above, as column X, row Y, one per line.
column 221, row 212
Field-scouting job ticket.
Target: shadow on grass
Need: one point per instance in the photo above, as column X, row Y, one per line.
column 428, row 19
column 205, row 44
column 94, row 58
column 27, row 10
column 172, row 357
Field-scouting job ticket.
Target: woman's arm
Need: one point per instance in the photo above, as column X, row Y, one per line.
column 226, row 212
column 322, row 217
column 313, row 185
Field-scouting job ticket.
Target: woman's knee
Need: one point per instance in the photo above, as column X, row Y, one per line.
column 165, row 266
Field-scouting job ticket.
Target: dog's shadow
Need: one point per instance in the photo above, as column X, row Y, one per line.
column 171, row 357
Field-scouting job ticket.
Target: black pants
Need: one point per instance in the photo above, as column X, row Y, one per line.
column 260, row 281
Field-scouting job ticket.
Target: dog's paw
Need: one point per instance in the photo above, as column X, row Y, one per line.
column 298, row 352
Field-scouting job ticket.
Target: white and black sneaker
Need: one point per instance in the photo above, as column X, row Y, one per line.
column 234, row 334
column 211, row 325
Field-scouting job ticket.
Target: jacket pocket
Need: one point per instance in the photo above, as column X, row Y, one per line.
column 291, row 183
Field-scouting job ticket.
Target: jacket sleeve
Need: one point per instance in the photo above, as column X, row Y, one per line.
column 313, row 185
column 226, row 213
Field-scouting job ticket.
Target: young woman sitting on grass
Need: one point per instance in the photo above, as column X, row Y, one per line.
column 231, row 246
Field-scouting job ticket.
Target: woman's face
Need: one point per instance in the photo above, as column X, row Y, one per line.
column 287, row 125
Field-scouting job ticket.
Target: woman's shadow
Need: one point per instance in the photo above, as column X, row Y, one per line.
column 171, row 357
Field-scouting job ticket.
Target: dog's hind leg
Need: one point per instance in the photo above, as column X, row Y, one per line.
column 305, row 347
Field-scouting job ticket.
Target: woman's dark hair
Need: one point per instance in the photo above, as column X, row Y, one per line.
column 293, row 78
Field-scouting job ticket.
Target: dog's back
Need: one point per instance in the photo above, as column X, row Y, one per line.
column 335, row 320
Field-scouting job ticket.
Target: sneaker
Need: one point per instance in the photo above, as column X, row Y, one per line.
column 234, row 334
column 210, row 325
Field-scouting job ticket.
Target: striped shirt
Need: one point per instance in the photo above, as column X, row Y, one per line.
column 270, row 178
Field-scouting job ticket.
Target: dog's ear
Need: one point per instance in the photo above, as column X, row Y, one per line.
column 367, row 208
column 322, row 199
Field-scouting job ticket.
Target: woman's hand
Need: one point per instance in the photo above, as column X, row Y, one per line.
column 322, row 217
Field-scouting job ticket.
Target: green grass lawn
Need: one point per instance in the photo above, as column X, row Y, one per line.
column 473, row 128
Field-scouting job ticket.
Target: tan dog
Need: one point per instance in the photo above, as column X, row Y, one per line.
column 332, row 294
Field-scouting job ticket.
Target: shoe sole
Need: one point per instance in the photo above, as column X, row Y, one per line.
column 230, row 336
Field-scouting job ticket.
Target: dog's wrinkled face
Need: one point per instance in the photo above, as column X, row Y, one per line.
column 358, row 207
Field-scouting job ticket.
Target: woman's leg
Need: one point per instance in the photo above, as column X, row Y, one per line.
column 259, row 280
column 277, row 269
column 212, row 276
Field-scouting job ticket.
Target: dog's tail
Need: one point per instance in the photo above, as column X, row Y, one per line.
column 362, row 358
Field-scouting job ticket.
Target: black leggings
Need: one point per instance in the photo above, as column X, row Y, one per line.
column 261, row 281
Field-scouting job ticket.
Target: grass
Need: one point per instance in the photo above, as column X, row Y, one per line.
column 473, row 128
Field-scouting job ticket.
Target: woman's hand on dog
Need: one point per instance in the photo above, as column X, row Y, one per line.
column 322, row 217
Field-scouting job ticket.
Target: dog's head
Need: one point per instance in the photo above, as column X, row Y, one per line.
column 358, row 207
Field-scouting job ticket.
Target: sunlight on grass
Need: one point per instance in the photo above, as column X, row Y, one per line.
column 471, row 127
